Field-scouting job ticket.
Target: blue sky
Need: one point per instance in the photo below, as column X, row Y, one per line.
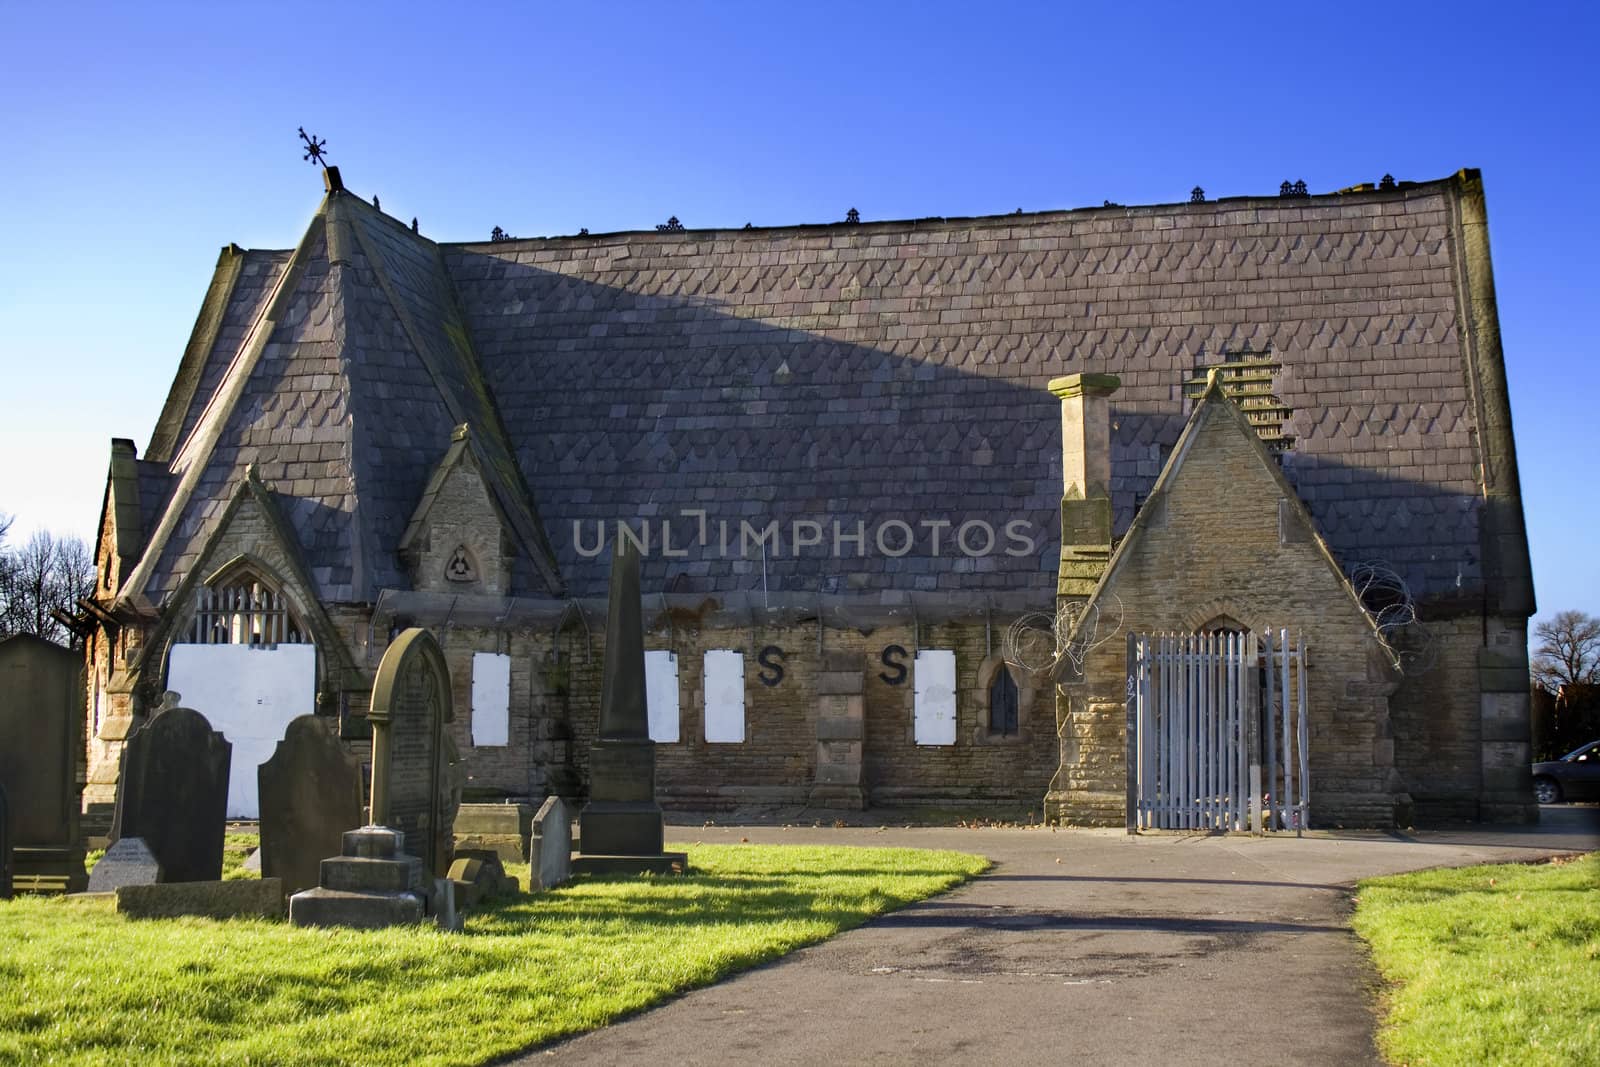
column 141, row 138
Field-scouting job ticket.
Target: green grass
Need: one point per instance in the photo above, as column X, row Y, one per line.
column 80, row 984
column 1488, row 965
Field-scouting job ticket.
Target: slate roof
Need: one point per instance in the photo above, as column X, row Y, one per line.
column 862, row 373
column 642, row 372
column 339, row 372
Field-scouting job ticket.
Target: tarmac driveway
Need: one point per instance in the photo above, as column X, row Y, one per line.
column 1079, row 946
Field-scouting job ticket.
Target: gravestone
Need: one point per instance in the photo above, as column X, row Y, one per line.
column 310, row 793
column 416, row 789
column 41, row 738
column 173, row 792
column 5, row 846
column 127, row 862
column 552, row 844
column 621, row 826
column 415, row 784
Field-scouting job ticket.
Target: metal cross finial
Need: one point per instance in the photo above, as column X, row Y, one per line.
column 314, row 148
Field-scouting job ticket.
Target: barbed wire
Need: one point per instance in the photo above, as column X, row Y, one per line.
column 1038, row 643
column 1387, row 598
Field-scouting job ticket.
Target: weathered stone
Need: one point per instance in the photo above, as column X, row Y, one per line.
column 238, row 898
column 310, row 795
column 353, row 874
column 446, row 916
column 552, row 844
column 505, row 828
column 622, row 819
column 41, row 738
column 174, row 793
column 128, row 861
column 478, row 878
column 252, row 862
column 367, row 911
column 840, row 734
column 373, row 883
column 414, row 785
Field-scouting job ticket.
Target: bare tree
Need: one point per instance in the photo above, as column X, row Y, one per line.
column 1568, row 651
column 45, row 575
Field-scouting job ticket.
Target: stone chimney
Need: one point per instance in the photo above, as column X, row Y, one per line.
column 1085, row 480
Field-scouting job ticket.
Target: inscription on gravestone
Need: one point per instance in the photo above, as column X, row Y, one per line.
column 413, row 773
column 127, row 862
column 310, row 795
column 173, row 792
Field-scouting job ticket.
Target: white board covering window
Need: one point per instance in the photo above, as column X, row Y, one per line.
column 661, row 695
column 724, row 683
column 934, row 705
column 491, row 699
column 248, row 694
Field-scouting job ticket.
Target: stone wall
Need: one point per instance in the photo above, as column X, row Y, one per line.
column 1222, row 537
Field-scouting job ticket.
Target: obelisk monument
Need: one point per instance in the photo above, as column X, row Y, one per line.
column 620, row 829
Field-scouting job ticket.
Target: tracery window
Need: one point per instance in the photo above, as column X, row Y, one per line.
column 244, row 609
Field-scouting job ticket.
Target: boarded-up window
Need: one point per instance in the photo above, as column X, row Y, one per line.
column 491, row 699
column 724, row 683
column 934, row 708
column 249, row 693
column 661, row 694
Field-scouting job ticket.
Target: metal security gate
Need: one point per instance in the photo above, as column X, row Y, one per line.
column 1217, row 733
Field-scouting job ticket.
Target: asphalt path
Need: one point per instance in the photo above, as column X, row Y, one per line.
column 1078, row 946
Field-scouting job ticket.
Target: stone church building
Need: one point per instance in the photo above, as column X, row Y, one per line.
column 902, row 491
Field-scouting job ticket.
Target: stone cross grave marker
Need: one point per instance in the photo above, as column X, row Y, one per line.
column 413, row 786
column 173, row 792
column 310, row 795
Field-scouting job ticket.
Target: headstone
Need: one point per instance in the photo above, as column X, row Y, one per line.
column 127, row 862
column 41, row 739
column 413, row 777
column 5, row 846
column 310, row 794
column 552, row 844
column 621, row 826
column 173, row 792
column 416, row 789
column 239, row 898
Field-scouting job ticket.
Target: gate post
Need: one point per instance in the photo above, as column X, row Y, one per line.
column 1134, row 682
column 1252, row 729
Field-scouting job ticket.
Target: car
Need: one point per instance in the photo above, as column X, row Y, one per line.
column 1575, row 776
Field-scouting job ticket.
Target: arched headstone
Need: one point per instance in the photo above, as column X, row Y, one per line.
column 310, row 794
column 173, row 793
column 413, row 785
